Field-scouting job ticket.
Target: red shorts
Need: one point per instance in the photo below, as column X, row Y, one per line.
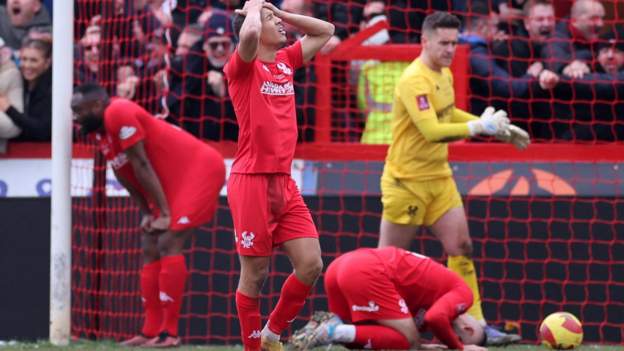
column 267, row 210
column 196, row 203
column 358, row 289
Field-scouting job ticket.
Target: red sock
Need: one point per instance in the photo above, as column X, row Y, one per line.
column 379, row 337
column 292, row 299
column 249, row 318
column 151, row 302
column 172, row 281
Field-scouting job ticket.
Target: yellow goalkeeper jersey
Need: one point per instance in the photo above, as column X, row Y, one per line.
column 424, row 117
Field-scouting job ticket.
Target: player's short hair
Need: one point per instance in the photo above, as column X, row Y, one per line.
column 526, row 9
column 91, row 89
column 237, row 23
column 440, row 19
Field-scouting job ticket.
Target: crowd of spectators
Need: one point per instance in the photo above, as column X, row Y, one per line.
column 559, row 74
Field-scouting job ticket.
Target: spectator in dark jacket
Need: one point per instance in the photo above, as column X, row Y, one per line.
column 523, row 53
column 18, row 17
column 572, row 49
column 36, row 120
column 488, row 81
column 597, row 113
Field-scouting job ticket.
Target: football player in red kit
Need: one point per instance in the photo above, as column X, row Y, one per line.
column 174, row 178
column 267, row 208
column 380, row 298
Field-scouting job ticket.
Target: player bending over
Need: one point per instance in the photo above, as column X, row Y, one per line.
column 380, row 298
column 417, row 184
column 267, row 208
column 174, row 178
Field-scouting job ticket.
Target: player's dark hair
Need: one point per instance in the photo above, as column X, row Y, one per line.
column 237, row 24
column 92, row 90
column 440, row 19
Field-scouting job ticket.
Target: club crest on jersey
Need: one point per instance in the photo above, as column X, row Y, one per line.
column 247, row 239
column 372, row 307
column 126, row 132
column 422, row 102
column 282, row 67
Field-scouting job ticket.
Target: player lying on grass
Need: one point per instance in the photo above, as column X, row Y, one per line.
column 380, row 298
column 174, row 178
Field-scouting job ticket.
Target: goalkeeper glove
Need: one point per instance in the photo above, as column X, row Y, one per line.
column 490, row 123
column 516, row 136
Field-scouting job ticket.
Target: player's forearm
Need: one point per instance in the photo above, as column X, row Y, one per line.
column 461, row 116
column 252, row 27
column 436, row 132
column 441, row 327
column 309, row 25
column 134, row 193
column 146, row 176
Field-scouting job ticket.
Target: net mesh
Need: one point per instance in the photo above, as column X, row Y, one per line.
column 539, row 246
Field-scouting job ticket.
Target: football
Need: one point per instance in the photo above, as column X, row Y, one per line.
column 561, row 331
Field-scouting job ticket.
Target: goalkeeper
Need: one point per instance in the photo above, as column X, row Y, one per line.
column 417, row 185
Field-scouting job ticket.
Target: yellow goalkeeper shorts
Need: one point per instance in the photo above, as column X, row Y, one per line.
column 417, row 202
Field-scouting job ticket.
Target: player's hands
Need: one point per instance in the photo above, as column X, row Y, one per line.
column 474, row 348
column 146, row 222
column 516, row 136
column 251, row 5
column 491, row 122
column 160, row 224
column 276, row 11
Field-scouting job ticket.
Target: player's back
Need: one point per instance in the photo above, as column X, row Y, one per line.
column 172, row 152
column 418, row 279
column 410, row 155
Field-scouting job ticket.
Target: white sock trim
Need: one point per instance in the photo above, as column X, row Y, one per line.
column 344, row 333
column 268, row 334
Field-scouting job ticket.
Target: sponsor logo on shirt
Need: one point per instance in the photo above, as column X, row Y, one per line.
column 372, row 307
column 126, row 132
column 270, row 88
column 184, row 220
column 247, row 239
column 422, row 102
column 403, row 306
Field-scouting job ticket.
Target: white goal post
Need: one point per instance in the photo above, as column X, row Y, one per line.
column 60, row 219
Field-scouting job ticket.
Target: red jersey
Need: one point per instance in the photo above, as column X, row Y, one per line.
column 190, row 172
column 425, row 289
column 263, row 96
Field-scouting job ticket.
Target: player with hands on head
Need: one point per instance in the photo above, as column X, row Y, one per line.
column 174, row 178
column 417, row 184
column 267, row 208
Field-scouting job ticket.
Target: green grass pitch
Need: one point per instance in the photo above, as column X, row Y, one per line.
column 106, row 346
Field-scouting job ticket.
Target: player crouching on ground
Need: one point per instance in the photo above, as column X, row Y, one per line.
column 380, row 298
column 174, row 178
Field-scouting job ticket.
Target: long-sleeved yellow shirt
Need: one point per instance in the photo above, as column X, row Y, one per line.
column 424, row 120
